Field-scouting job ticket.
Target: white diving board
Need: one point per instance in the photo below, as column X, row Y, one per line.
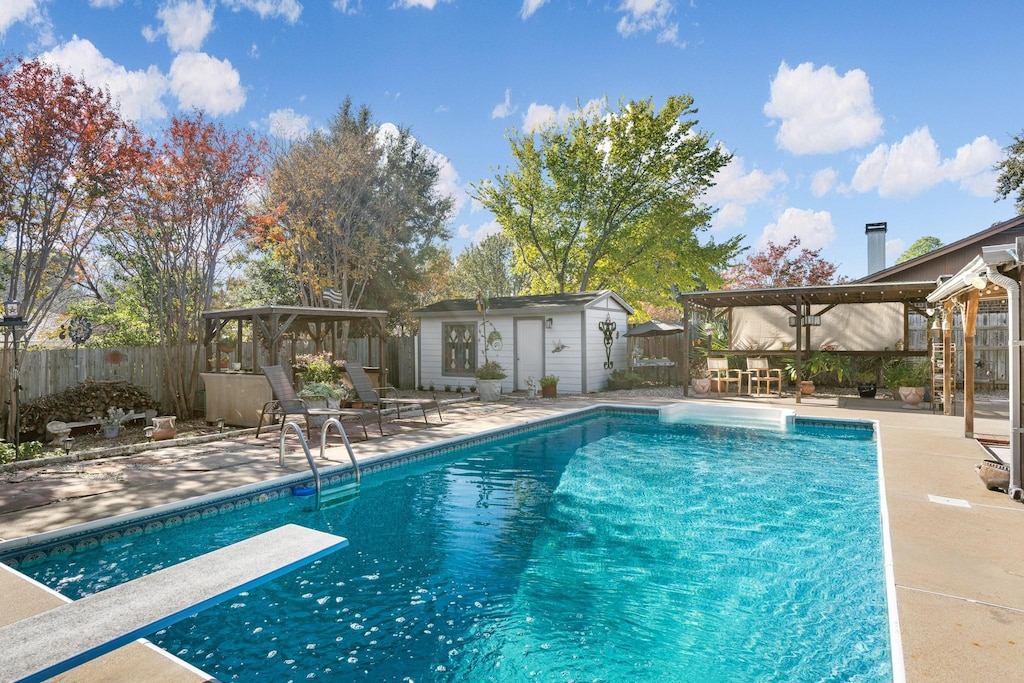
column 48, row 643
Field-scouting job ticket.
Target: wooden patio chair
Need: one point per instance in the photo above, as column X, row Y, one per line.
column 369, row 396
column 759, row 374
column 286, row 402
column 722, row 376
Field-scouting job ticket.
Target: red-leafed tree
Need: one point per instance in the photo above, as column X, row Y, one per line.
column 781, row 265
column 187, row 215
column 66, row 161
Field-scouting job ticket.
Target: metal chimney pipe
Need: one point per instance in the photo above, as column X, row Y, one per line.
column 876, row 246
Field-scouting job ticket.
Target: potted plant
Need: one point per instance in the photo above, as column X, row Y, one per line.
column 906, row 379
column 329, row 395
column 549, row 386
column 488, row 380
column 111, row 422
column 866, row 387
column 700, row 377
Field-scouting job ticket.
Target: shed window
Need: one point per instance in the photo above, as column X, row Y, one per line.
column 459, row 351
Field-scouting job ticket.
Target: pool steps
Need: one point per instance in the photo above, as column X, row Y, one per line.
column 756, row 417
column 46, row 644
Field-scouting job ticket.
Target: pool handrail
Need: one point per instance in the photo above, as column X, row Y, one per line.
column 344, row 437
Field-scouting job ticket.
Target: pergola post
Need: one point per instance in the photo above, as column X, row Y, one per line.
column 970, row 326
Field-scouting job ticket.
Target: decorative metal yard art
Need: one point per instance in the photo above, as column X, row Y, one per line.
column 607, row 327
column 78, row 330
column 492, row 339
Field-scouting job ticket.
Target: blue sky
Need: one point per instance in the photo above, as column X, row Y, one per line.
column 839, row 113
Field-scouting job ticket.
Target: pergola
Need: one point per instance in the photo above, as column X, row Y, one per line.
column 271, row 323
column 805, row 305
column 996, row 274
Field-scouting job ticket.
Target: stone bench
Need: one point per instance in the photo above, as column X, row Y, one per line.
column 46, row 644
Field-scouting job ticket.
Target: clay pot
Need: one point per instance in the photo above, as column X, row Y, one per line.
column 163, row 428
column 806, row 387
column 912, row 397
column 701, row 385
column 994, row 474
column 549, row 392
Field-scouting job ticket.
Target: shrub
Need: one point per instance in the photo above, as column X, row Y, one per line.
column 491, row 370
column 549, row 381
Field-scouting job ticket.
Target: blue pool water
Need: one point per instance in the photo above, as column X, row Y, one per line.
column 610, row 549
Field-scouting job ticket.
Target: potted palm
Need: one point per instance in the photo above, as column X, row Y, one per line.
column 700, row 377
column 488, row 380
column 906, row 379
column 549, row 386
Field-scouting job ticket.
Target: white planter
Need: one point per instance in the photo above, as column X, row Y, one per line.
column 701, row 385
column 489, row 389
column 912, row 397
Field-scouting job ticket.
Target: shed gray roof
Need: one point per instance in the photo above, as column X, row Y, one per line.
column 536, row 302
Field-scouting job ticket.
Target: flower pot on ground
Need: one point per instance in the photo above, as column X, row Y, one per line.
column 994, row 474
column 111, row 422
column 866, row 389
column 701, row 385
column 549, row 386
column 164, row 428
column 911, row 397
column 488, row 380
column 806, row 387
column 906, row 379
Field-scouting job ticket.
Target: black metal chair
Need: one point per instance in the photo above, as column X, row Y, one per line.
column 369, row 396
column 286, row 402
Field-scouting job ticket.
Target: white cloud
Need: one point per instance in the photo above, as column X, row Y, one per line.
column 289, row 10
column 477, row 236
column 735, row 188
column 347, row 6
column 645, row 16
column 822, row 111
column 425, row 4
column 201, row 81
column 186, row 24
column 894, row 249
column 104, row 4
column 29, row 11
column 913, row 165
column 503, row 109
column 538, row 116
column 814, row 228
column 287, row 125
column 139, row 93
column 531, row 6
column 823, row 181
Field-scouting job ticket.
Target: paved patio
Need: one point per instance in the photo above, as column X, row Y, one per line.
column 959, row 578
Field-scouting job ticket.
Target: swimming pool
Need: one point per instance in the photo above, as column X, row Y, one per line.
column 611, row 547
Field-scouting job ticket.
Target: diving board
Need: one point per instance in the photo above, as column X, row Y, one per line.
column 48, row 643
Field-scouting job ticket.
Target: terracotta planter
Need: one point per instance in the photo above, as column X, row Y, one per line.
column 994, row 474
column 163, row 427
column 912, row 397
column 806, row 387
column 701, row 385
column 549, row 392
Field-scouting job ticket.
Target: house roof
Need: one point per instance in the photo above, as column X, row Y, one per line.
column 521, row 304
column 947, row 256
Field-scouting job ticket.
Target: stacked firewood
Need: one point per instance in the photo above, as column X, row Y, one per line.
column 83, row 402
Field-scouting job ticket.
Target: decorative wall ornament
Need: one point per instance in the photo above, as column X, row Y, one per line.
column 607, row 327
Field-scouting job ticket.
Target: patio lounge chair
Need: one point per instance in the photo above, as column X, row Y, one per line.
column 722, row 376
column 371, row 397
column 759, row 374
column 286, row 402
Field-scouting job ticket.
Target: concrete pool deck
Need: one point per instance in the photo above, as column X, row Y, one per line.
column 957, row 563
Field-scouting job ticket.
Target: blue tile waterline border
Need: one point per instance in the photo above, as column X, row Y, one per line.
column 62, row 542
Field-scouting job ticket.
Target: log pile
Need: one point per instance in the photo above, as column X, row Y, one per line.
column 83, row 402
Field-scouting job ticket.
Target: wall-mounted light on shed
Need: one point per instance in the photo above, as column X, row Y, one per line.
column 549, row 323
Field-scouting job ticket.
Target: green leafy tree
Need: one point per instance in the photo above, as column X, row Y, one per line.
column 487, row 267
column 920, row 247
column 120, row 320
column 1011, row 174
column 612, row 199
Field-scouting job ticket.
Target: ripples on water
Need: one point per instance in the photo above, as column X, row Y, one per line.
column 616, row 549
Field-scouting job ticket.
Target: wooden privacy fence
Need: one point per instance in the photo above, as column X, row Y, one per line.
column 50, row 371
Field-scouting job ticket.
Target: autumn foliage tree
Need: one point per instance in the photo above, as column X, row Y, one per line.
column 191, row 209
column 67, row 159
column 356, row 208
column 781, row 265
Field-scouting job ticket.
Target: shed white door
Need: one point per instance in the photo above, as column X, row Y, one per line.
column 529, row 351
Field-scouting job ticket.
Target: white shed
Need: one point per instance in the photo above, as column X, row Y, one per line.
column 578, row 337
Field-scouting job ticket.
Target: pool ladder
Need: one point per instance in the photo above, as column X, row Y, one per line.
column 333, row 421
